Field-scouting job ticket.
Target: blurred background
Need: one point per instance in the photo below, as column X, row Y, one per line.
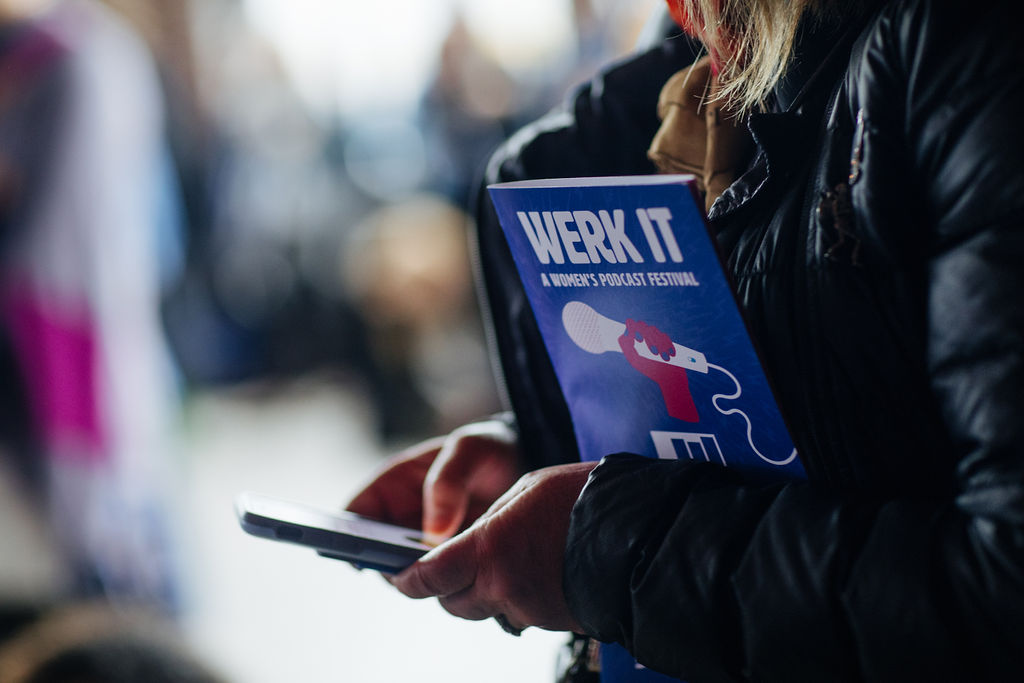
column 233, row 248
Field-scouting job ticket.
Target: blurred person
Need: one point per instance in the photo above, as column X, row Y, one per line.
column 407, row 271
column 603, row 31
column 270, row 205
column 196, row 145
column 474, row 101
column 872, row 225
column 87, row 194
column 466, row 111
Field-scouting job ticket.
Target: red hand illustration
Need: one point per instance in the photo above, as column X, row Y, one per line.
column 675, row 387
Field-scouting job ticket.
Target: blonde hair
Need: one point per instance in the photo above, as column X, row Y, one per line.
column 750, row 42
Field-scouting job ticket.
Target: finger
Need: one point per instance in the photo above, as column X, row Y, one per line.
column 388, row 506
column 444, row 571
column 448, row 485
column 393, row 493
column 445, row 501
column 371, row 502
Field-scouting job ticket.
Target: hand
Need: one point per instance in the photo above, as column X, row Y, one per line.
column 658, row 343
column 510, row 560
column 671, row 379
column 443, row 484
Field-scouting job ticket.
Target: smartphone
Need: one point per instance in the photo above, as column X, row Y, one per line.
column 366, row 543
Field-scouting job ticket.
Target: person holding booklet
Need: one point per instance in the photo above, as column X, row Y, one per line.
column 861, row 165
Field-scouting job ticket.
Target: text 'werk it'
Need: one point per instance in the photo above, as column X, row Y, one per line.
column 587, row 237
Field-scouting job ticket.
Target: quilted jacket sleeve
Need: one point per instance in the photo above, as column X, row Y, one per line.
column 704, row 575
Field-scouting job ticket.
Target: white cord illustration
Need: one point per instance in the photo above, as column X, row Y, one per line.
column 750, row 428
column 596, row 333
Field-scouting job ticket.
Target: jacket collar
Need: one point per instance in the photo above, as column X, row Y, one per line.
column 815, row 45
column 785, row 133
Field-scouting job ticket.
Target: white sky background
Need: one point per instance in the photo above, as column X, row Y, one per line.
column 358, row 55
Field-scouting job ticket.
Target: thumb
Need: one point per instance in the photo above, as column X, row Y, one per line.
column 443, row 571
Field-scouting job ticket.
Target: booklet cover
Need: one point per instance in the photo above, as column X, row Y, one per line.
column 643, row 330
column 641, row 323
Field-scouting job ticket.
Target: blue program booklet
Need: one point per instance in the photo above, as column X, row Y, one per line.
column 641, row 323
column 642, row 327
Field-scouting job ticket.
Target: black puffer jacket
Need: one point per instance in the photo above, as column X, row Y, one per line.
column 877, row 243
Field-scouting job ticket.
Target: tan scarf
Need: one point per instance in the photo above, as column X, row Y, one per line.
column 698, row 134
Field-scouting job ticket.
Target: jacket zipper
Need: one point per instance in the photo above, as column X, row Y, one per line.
column 808, row 214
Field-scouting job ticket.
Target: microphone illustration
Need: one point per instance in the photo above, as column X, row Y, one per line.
column 597, row 334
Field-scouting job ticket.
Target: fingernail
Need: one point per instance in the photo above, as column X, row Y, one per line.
column 438, row 520
column 434, row 539
column 435, row 525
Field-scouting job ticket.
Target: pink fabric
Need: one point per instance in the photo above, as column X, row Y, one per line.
column 57, row 353
column 33, row 51
column 37, row 50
